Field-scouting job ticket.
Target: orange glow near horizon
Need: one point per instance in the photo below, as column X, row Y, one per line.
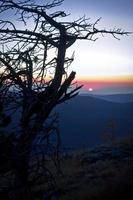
column 98, row 82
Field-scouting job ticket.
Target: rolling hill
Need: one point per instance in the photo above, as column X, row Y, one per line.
column 117, row 98
column 85, row 119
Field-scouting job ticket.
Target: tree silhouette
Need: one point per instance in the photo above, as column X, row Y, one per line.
column 33, row 64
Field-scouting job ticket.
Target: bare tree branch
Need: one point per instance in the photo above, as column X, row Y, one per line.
column 33, row 64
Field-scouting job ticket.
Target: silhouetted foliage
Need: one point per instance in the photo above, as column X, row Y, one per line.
column 33, row 67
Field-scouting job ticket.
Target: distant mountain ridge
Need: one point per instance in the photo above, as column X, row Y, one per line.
column 118, row 98
column 85, row 119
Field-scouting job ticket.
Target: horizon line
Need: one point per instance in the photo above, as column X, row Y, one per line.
column 106, row 78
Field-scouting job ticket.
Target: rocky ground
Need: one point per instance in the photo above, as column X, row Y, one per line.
column 101, row 173
column 105, row 172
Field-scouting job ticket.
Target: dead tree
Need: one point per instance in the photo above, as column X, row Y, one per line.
column 33, row 58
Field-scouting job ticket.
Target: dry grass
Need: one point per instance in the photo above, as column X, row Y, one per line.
column 103, row 180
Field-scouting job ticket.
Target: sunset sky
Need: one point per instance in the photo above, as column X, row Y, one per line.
column 107, row 64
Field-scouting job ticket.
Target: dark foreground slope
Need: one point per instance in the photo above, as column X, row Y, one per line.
column 84, row 120
column 108, row 178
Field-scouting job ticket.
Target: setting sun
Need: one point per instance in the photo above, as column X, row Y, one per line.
column 90, row 89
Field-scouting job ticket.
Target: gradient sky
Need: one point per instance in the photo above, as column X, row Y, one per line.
column 107, row 58
column 107, row 64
